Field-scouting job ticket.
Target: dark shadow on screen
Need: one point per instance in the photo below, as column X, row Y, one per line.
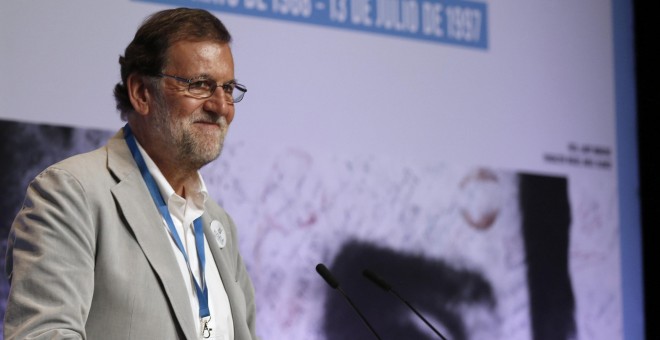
column 437, row 289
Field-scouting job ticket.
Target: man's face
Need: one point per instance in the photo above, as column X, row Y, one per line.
column 193, row 129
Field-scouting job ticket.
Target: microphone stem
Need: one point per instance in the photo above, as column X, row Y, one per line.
column 373, row 331
column 418, row 314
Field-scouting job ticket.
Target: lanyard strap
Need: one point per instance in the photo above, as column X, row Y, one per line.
column 202, row 291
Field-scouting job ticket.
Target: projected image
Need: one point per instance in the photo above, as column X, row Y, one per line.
column 481, row 253
column 459, row 240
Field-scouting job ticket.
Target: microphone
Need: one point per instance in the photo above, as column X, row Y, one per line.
column 332, row 282
column 386, row 287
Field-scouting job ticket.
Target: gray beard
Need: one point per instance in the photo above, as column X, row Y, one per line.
column 191, row 153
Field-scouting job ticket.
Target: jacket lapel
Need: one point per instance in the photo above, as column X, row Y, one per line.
column 145, row 221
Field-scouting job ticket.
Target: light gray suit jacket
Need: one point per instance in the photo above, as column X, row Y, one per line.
column 88, row 258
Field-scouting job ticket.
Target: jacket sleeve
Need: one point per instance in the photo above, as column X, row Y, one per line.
column 50, row 261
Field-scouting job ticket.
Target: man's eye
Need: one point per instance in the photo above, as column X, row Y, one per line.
column 229, row 87
column 200, row 85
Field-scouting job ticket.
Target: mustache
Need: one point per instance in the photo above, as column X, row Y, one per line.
column 208, row 118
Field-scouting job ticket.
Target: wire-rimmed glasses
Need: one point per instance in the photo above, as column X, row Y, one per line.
column 204, row 88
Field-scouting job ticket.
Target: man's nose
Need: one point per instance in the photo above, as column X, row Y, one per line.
column 221, row 103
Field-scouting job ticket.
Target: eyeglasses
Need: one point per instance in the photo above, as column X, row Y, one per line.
column 204, row 88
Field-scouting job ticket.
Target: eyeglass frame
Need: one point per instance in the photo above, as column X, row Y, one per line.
column 213, row 87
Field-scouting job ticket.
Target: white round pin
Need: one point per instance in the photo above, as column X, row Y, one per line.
column 219, row 233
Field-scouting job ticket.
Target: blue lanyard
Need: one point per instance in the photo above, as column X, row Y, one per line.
column 202, row 292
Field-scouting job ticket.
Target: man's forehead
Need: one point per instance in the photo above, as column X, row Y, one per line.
column 203, row 53
column 194, row 46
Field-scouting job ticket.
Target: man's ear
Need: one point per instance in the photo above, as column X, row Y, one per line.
column 138, row 93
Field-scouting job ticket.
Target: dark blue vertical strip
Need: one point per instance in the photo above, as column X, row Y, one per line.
column 546, row 222
column 628, row 171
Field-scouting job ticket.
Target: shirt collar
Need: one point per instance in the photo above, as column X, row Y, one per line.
column 198, row 190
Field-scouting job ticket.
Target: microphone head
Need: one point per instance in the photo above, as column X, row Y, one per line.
column 326, row 275
column 376, row 279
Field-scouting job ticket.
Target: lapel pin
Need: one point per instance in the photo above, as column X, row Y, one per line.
column 219, row 233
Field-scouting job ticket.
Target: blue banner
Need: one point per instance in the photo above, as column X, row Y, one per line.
column 455, row 22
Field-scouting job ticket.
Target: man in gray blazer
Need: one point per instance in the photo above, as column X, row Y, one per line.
column 123, row 242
